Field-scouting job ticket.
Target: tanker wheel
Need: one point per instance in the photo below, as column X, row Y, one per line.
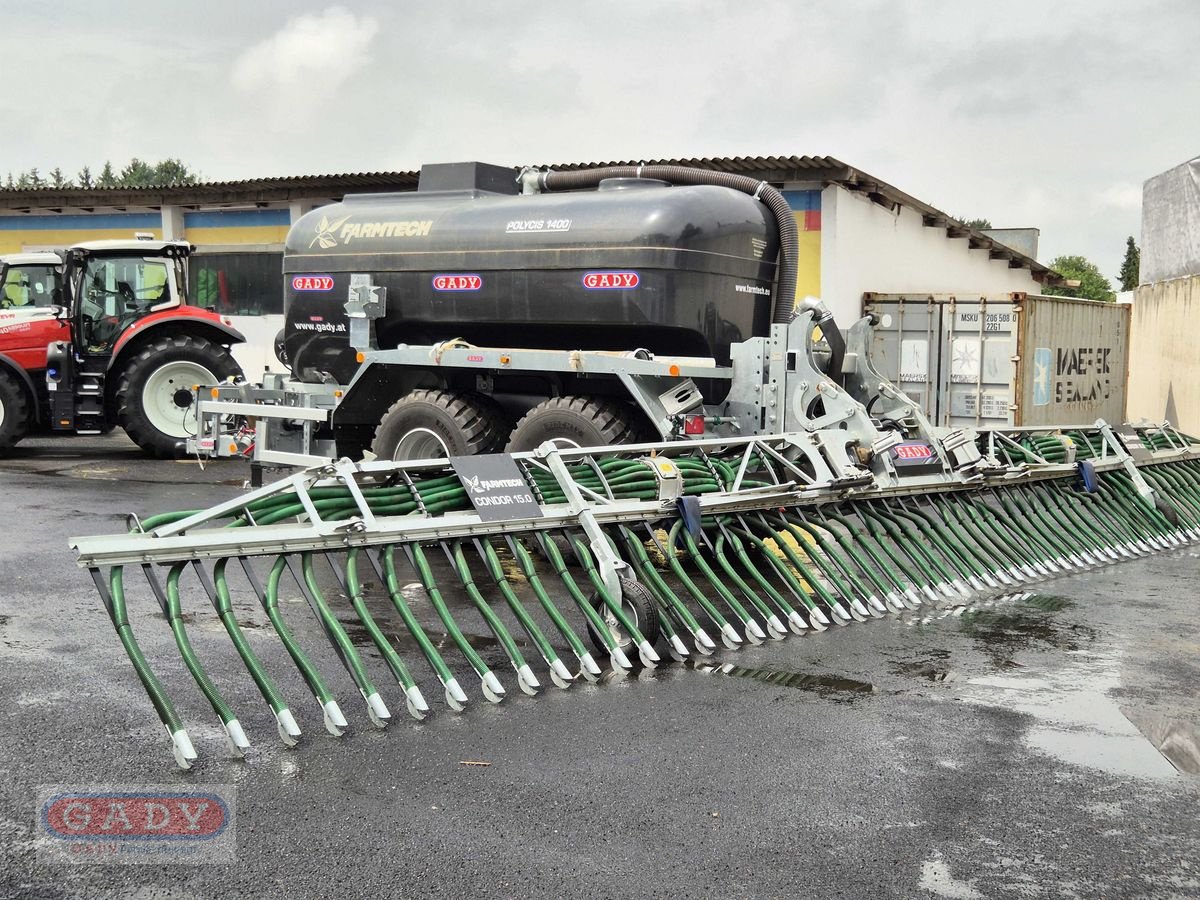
column 14, row 411
column 577, row 422
column 428, row 424
column 154, row 399
column 638, row 604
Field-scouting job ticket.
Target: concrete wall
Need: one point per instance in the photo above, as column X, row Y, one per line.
column 1164, row 354
column 868, row 247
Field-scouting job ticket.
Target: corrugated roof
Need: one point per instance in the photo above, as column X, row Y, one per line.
column 250, row 190
column 826, row 169
column 831, row 170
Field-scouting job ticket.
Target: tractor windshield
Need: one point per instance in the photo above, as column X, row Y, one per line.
column 115, row 291
column 30, row 287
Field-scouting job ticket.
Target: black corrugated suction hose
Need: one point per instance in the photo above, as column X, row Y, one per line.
column 789, row 243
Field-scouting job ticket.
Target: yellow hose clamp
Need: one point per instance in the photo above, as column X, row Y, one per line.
column 1068, row 446
column 668, row 477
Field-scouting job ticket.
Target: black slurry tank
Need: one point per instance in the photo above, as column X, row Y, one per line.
column 681, row 270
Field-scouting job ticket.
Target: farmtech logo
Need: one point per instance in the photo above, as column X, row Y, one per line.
column 330, row 233
column 137, row 823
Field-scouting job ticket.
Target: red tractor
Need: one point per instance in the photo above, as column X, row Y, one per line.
column 102, row 335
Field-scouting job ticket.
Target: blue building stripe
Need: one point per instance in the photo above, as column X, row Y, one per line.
column 80, row 222
column 803, row 201
column 236, row 218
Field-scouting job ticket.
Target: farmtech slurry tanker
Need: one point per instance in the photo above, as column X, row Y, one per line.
column 811, row 492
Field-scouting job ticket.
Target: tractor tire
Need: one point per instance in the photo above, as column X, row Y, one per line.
column 576, row 422
column 14, row 411
column 429, row 424
column 154, row 390
column 638, row 603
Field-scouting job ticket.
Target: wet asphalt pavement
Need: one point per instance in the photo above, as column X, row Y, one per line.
column 1007, row 749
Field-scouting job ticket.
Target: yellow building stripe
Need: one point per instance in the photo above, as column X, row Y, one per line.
column 16, row 241
column 259, row 234
column 808, row 269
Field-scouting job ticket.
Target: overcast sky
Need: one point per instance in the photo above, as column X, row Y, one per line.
column 1047, row 114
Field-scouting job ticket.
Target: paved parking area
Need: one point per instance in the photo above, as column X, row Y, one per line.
column 1007, row 749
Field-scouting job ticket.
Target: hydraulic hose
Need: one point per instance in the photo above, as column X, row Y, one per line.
column 456, row 698
column 344, row 647
column 289, row 731
column 233, row 728
column 181, row 744
column 525, row 561
column 335, row 722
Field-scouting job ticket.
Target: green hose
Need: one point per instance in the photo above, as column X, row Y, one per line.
column 390, row 656
column 154, row 689
column 392, row 583
column 525, row 561
column 346, row 651
column 307, row 670
column 559, row 567
column 190, row 660
column 258, row 673
column 463, row 569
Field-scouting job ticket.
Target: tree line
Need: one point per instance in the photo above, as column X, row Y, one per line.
column 1093, row 285
column 136, row 173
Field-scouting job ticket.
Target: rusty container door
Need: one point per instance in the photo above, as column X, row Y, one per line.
column 1074, row 361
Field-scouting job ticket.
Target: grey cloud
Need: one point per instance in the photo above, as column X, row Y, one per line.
column 1028, row 114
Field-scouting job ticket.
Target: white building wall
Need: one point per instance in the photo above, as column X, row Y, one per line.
column 868, row 247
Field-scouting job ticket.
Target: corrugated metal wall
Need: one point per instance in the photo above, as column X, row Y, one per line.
column 1008, row 359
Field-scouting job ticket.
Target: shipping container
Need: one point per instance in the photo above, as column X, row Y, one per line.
column 1005, row 359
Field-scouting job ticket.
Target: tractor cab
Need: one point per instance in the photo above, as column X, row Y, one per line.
column 32, row 310
column 30, row 282
column 114, row 284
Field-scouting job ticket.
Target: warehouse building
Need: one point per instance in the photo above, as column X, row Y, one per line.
column 857, row 234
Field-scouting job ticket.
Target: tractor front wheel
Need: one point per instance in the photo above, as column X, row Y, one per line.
column 155, row 397
column 14, row 411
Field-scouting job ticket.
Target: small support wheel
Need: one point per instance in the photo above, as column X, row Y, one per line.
column 637, row 603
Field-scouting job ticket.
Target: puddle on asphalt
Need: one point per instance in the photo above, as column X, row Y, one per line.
column 1029, row 620
column 1075, row 719
column 839, row 690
